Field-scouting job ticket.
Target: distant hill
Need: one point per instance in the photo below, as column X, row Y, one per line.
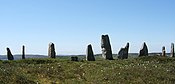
column 17, row 57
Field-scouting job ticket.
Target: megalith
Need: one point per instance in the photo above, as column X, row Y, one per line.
column 89, row 53
column 51, row 51
column 74, row 58
column 9, row 55
column 23, row 52
column 143, row 50
column 123, row 53
column 106, row 47
column 163, row 51
column 172, row 50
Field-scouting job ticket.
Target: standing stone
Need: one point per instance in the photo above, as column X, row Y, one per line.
column 74, row 58
column 163, row 51
column 9, row 55
column 51, row 51
column 89, row 53
column 172, row 50
column 106, row 47
column 123, row 53
column 23, row 52
column 143, row 50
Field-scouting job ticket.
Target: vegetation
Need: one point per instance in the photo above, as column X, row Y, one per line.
column 142, row 70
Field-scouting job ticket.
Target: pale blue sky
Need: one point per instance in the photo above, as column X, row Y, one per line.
column 73, row 24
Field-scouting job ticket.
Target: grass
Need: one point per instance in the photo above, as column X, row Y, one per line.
column 142, row 70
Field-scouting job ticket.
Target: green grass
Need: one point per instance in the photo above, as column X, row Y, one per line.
column 142, row 70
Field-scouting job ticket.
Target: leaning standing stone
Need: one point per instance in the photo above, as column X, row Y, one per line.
column 89, row 53
column 163, row 51
column 51, row 51
column 143, row 50
column 106, row 47
column 9, row 55
column 123, row 53
column 172, row 49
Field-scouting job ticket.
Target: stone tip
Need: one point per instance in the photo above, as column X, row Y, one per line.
column 51, row 43
column 102, row 36
column 89, row 44
column 105, row 35
column 163, row 47
column 23, row 46
column 144, row 44
column 127, row 45
column 8, row 48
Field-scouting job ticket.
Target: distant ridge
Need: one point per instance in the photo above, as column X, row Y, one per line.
column 18, row 56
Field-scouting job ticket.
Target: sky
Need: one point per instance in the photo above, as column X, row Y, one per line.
column 73, row 24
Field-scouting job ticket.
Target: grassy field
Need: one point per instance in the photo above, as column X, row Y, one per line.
column 142, row 70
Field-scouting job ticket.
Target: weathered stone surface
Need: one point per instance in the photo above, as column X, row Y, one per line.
column 9, row 55
column 143, row 50
column 163, row 51
column 51, row 51
column 172, row 50
column 90, row 53
column 23, row 52
column 106, row 47
column 123, row 53
column 74, row 58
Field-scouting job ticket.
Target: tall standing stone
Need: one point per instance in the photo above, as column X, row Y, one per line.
column 143, row 50
column 106, row 47
column 51, row 51
column 9, row 55
column 172, row 50
column 163, row 51
column 23, row 52
column 123, row 53
column 90, row 53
